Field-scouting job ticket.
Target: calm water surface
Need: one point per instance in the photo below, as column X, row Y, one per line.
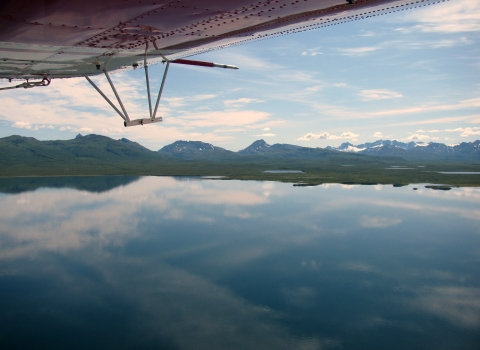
column 172, row 263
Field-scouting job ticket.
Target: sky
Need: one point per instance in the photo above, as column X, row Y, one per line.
column 410, row 76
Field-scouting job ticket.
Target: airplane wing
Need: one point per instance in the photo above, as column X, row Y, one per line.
column 72, row 38
column 47, row 39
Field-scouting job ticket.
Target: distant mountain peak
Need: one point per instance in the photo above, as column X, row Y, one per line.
column 78, row 136
column 194, row 150
column 259, row 146
column 124, row 140
column 179, row 145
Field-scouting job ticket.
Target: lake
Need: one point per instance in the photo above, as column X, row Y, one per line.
column 191, row 263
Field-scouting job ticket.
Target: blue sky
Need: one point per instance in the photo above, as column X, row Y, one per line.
column 413, row 75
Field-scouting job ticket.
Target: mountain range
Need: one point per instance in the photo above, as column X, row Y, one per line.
column 418, row 151
column 192, row 150
column 90, row 149
column 413, row 151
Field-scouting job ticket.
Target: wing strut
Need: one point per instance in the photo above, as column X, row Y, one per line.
column 106, row 98
column 148, row 81
column 123, row 113
column 153, row 119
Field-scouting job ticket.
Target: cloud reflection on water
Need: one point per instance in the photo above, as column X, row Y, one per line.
column 174, row 250
column 458, row 305
column 58, row 220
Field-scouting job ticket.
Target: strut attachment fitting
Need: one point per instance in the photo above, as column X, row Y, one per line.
column 153, row 118
column 28, row 85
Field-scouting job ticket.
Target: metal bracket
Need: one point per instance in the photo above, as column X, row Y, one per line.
column 153, row 114
column 28, row 85
column 123, row 113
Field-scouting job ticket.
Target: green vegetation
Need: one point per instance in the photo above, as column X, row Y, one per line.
column 99, row 155
column 365, row 171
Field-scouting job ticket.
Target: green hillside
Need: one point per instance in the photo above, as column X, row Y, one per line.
column 100, row 155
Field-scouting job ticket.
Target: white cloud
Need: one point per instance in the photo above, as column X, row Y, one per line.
column 378, row 134
column 22, row 125
column 359, row 51
column 449, row 17
column 241, row 102
column 465, row 104
column 328, row 136
column 182, row 101
column 450, row 42
column 174, row 101
column 378, row 94
column 311, row 136
column 312, row 89
column 245, row 60
column 202, row 97
column 85, row 130
column 430, row 44
column 367, row 33
column 465, row 132
column 266, row 135
column 431, row 131
column 222, row 118
column 73, row 129
column 455, row 130
column 266, row 129
column 417, row 137
column 472, row 119
column 312, row 52
column 29, row 126
column 293, row 76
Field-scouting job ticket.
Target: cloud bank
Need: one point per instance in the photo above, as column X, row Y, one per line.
column 328, row 136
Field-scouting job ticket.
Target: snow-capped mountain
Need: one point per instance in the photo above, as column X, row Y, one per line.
column 417, row 150
column 348, row 147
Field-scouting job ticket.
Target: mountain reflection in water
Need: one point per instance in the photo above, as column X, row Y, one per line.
column 204, row 264
column 85, row 183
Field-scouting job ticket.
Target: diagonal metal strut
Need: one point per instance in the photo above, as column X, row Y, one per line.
column 116, row 95
column 124, row 115
column 106, row 98
column 148, row 82
column 153, row 114
column 161, row 88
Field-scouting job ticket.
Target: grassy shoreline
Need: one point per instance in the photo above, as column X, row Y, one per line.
column 314, row 172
